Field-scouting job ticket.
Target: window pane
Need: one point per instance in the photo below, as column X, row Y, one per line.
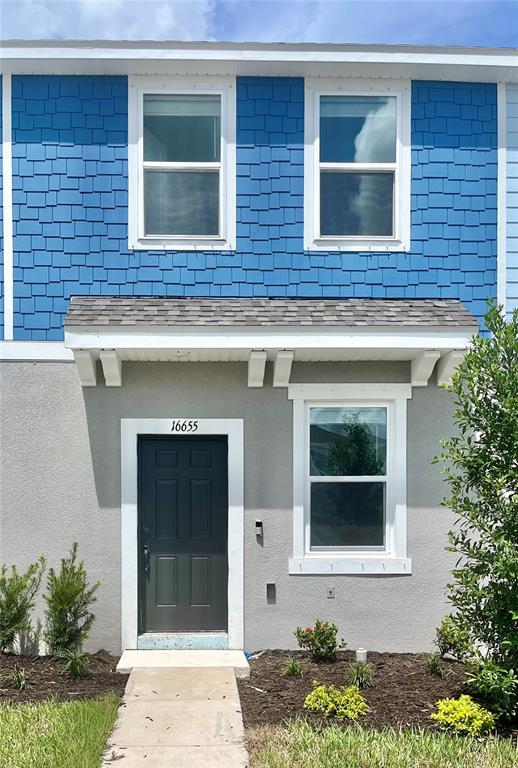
column 356, row 203
column 357, row 129
column 181, row 202
column 348, row 441
column 182, row 128
column 347, row 514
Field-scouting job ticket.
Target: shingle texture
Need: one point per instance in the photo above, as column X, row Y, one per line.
column 70, row 203
column 166, row 311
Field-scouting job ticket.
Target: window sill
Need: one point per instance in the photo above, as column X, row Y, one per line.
column 337, row 244
column 181, row 244
column 349, row 565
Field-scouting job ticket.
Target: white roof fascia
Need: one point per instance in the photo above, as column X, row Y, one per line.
column 146, row 57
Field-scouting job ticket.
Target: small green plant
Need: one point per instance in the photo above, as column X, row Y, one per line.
column 75, row 663
column 463, row 716
column 344, row 702
column 453, row 639
column 495, row 686
column 68, row 617
column 292, row 668
column 15, row 678
column 319, row 640
column 17, row 592
column 434, row 665
column 361, row 675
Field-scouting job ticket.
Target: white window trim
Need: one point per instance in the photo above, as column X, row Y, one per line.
column 130, row 430
column 393, row 559
column 316, row 87
column 226, row 88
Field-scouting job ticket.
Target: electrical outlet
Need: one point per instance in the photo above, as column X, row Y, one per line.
column 330, row 593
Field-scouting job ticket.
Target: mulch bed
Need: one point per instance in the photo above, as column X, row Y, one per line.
column 403, row 692
column 46, row 679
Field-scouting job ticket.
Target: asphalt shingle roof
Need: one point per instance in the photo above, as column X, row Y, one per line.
column 204, row 312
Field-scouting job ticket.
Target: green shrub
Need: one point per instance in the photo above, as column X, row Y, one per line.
column 361, row 675
column 433, row 663
column 452, row 638
column 463, row 716
column 15, row 678
column 319, row 640
column 75, row 664
column 17, row 592
column 480, row 465
column 344, row 702
column 495, row 686
column 292, row 668
column 68, row 618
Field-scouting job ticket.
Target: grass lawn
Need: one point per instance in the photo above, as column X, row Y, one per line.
column 300, row 745
column 56, row 734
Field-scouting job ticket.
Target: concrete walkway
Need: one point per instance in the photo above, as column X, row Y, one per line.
column 179, row 718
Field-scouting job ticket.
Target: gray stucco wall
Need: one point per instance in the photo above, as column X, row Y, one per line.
column 60, row 482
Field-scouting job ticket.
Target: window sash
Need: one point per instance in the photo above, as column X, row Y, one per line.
column 319, row 166
column 145, row 165
column 387, row 479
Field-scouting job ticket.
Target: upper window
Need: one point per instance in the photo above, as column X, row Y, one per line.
column 357, row 193
column 349, row 478
column 182, row 164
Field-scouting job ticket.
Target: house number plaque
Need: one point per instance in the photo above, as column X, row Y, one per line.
column 184, row 425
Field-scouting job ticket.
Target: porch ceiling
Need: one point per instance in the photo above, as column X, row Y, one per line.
column 117, row 329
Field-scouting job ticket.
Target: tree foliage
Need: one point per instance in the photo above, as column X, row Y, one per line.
column 481, row 464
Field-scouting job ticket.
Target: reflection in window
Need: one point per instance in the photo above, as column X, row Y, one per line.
column 357, row 129
column 348, row 443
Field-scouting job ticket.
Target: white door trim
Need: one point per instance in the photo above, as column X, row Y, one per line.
column 130, row 430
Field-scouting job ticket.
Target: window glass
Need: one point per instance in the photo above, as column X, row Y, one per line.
column 183, row 128
column 356, row 203
column 358, row 129
column 181, row 202
column 347, row 514
column 348, row 441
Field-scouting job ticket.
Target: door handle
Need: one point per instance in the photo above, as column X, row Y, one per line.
column 147, row 562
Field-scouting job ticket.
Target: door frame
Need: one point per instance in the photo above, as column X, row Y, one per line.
column 233, row 429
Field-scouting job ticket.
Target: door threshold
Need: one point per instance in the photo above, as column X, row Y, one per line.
column 182, row 641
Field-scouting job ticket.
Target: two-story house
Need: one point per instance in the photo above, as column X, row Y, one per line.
column 234, row 278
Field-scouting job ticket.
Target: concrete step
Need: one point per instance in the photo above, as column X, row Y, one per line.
column 184, row 659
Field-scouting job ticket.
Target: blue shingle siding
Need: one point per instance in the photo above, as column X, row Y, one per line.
column 512, row 197
column 70, row 203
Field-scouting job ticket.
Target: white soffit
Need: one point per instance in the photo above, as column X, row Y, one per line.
column 198, row 58
column 256, row 346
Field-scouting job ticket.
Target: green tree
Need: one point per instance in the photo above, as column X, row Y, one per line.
column 481, row 464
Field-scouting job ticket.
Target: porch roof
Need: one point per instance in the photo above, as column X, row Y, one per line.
column 113, row 329
column 264, row 312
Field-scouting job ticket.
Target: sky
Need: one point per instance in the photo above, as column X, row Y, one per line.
column 419, row 22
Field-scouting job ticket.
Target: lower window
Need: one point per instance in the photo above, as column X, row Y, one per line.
column 349, row 479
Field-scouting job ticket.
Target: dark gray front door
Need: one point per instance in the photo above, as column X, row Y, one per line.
column 183, row 515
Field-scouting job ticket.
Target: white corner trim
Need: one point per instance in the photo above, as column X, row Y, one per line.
column 130, row 430
column 35, row 351
column 282, row 367
column 86, row 367
column 393, row 557
column 422, row 367
column 501, row 238
column 225, row 86
column 313, row 240
column 447, row 366
column 256, row 367
column 112, row 367
column 7, row 206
